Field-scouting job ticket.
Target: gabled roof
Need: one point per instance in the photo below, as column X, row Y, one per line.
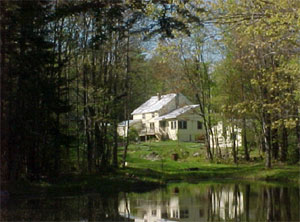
column 177, row 112
column 154, row 104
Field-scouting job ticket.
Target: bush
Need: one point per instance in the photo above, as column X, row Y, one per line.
column 133, row 135
column 200, row 138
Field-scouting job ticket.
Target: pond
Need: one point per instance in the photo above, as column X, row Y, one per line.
column 204, row 201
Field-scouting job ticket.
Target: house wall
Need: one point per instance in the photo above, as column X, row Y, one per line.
column 172, row 133
column 222, row 135
column 147, row 118
column 137, row 116
column 192, row 132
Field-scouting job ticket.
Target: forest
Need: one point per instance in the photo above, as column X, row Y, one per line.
column 72, row 70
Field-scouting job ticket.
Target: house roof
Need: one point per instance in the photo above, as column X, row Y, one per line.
column 131, row 122
column 154, row 104
column 177, row 112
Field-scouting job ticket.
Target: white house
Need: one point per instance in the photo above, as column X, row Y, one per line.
column 222, row 135
column 170, row 116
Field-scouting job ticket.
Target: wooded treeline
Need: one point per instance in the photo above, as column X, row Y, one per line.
column 253, row 85
column 72, row 70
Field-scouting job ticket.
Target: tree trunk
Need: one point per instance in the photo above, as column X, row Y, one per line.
column 126, row 145
column 267, row 139
column 115, row 148
column 245, row 142
column 208, row 145
column 275, row 144
column 77, row 113
column 126, row 108
column 89, row 150
column 297, row 129
column 284, row 144
column 234, row 154
column 206, row 127
column 4, row 112
column 104, row 159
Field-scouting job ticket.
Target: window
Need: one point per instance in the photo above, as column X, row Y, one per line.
column 182, row 124
column 153, row 212
column 164, row 215
column 162, row 124
column 201, row 213
column 173, row 124
column 175, row 214
column 144, row 116
column 184, row 214
column 199, row 124
column 153, row 115
column 151, row 125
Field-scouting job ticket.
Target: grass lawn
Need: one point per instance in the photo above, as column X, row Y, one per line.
column 153, row 161
column 151, row 165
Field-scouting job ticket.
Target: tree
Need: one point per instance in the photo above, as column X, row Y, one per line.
column 32, row 101
column 265, row 32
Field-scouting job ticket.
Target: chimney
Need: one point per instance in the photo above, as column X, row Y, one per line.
column 158, row 96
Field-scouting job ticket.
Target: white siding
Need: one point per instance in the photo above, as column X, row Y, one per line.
column 223, row 136
column 172, row 133
column 191, row 132
column 137, row 116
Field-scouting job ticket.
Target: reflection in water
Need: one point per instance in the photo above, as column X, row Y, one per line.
column 83, row 208
column 227, row 203
column 214, row 203
column 201, row 202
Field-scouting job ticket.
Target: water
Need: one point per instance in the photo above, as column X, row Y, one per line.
column 178, row 202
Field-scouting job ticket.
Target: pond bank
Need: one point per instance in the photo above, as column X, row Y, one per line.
column 192, row 164
column 150, row 165
column 146, row 179
column 72, row 184
column 255, row 172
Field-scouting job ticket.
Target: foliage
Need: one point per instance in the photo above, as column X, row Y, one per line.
column 72, row 70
